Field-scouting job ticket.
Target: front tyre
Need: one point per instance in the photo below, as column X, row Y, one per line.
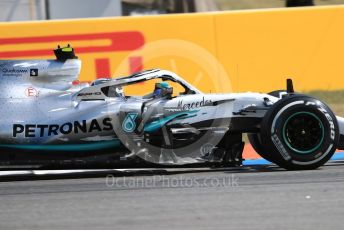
column 299, row 132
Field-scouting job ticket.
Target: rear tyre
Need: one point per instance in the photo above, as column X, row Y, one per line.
column 254, row 138
column 256, row 143
column 299, row 132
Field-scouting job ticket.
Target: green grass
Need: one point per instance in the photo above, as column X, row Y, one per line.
column 256, row 4
column 330, row 97
column 335, row 99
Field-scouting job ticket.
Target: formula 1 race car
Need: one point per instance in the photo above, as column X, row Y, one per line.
column 47, row 120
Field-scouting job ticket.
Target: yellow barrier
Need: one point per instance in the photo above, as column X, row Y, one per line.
column 222, row 51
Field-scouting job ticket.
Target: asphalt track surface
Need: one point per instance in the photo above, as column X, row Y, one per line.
column 251, row 197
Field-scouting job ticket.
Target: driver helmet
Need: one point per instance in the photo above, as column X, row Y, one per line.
column 161, row 89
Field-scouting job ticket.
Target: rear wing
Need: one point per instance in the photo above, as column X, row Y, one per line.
column 52, row 74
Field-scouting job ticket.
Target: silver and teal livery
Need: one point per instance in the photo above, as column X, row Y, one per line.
column 47, row 119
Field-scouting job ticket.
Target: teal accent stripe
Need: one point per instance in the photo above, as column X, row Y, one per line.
column 66, row 147
column 157, row 124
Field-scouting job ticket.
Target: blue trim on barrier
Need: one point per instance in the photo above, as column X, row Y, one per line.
column 256, row 162
column 337, row 156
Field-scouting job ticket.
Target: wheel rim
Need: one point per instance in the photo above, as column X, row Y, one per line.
column 303, row 132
